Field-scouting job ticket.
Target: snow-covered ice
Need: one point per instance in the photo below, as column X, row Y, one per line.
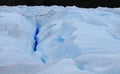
column 59, row 40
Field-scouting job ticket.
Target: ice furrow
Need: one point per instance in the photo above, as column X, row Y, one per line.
column 35, row 36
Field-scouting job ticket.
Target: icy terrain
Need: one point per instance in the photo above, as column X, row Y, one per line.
column 59, row 40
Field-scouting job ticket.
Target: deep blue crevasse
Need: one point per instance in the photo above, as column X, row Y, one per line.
column 35, row 36
column 43, row 59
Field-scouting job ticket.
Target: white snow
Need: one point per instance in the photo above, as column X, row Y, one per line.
column 70, row 40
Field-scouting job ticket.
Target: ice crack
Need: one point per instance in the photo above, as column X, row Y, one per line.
column 35, row 36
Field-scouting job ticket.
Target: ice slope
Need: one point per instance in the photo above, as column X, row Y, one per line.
column 69, row 40
column 16, row 39
column 54, row 68
column 88, row 36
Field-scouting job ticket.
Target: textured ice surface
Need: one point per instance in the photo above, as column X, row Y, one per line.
column 16, row 39
column 70, row 40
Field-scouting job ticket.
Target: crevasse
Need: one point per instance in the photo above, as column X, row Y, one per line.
column 35, row 36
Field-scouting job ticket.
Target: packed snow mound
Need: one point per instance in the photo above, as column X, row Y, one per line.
column 54, row 68
column 57, row 68
column 60, row 40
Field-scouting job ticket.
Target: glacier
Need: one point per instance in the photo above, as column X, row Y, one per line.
column 59, row 40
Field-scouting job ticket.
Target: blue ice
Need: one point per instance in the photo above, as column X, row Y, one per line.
column 60, row 39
